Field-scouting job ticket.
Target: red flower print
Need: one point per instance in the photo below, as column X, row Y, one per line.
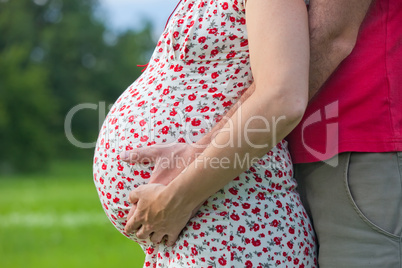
column 121, row 214
column 173, row 112
column 288, row 210
column 178, row 68
column 274, row 223
column 202, row 39
column 145, row 175
column 219, row 228
column 277, row 241
column 246, row 206
column 165, row 130
column 214, row 75
column 196, row 226
column 196, row 122
column 192, row 97
column 290, row 245
column 189, row 108
column 233, row 191
column 205, row 109
column 108, row 196
column 255, row 242
column 104, row 166
column 256, row 210
column 222, row 261
column 235, row 217
column 116, row 200
column 244, row 43
column 291, row 230
column 214, row 52
column 227, row 104
column 249, row 264
column 225, row 6
column 241, row 229
column 194, row 251
column 230, row 55
column 201, row 70
column 142, row 123
column 213, row 31
column 261, row 196
column 279, row 204
column 153, row 110
column 120, row 185
column 256, row 227
column 212, row 90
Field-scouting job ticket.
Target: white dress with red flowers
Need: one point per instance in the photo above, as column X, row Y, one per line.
column 198, row 70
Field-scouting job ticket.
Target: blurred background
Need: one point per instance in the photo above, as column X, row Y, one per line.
column 62, row 63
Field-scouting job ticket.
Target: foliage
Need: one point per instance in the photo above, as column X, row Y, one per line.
column 54, row 55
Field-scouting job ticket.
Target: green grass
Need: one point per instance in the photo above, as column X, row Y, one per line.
column 56, row 220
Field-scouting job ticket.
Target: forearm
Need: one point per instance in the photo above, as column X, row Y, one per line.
column 240, row 139
column 279, row 56
column 325, row 58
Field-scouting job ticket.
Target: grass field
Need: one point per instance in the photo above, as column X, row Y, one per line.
column 55, row 220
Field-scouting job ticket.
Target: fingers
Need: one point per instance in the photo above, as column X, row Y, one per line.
column 132, row 225
column 131, row 212
column 143, row 232
column 156, row 238
column 134, row 195
column 171, row 239
column 141, row 155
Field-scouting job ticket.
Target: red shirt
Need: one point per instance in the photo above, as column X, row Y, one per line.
column 359, row 109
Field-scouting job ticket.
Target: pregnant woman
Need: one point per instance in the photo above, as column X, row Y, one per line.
column 201, row 65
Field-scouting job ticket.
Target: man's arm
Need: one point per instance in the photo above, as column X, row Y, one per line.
column 334, row 27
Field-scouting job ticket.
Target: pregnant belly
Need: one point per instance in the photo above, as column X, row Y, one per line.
column 140, row 119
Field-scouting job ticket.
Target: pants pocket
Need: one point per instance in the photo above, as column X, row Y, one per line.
column 373, row 185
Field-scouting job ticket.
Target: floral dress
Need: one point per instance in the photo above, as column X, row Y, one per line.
column 200, row 67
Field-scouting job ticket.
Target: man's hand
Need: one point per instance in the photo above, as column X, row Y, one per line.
column 158, row 214
column 170, row 160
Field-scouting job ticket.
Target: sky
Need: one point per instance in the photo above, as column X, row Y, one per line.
column 123, row 14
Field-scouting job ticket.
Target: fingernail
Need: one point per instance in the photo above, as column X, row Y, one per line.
column 125, row 156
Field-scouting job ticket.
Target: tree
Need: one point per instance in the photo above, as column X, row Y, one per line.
column 54, row 55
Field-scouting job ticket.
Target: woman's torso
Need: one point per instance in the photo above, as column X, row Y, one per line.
column 197, row 71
